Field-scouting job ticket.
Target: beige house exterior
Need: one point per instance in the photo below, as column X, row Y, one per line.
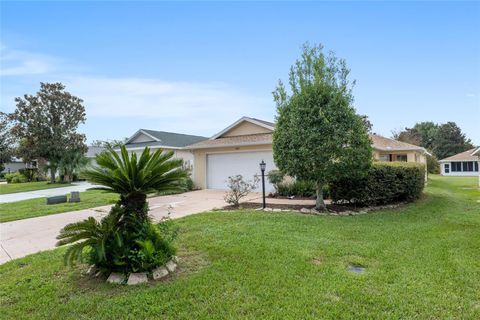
column 239, row 148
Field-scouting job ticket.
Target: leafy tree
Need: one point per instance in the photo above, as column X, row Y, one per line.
column 6, row 142
column 72, row 162
column 409, row 135
column 450, row 140
column 319, row 136
column 126, row 240
column 422, row 134
column 109, row 144
column 46, row 124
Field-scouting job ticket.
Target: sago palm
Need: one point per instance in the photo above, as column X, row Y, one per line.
column 133, row 177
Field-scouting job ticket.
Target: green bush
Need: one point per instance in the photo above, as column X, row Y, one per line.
column 299, row 188
column 15, row 177
column 275, row 177
column 386, row 182
column 433, row 166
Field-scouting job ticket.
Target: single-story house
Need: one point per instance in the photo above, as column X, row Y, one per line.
column 16, row 164
column 176, row 142
column 462, row 164
column 240, row 147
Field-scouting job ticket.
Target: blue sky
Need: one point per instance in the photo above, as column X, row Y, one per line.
column 197, row 67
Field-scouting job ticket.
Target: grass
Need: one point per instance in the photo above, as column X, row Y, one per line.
column 29, row 186
column 37, row 207
column 422, row 261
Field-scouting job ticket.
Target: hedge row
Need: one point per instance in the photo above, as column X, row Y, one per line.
column 386, row 182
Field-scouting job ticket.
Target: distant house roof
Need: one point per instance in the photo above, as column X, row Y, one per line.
column 163, row 139
column 469, row 155
column 93, row 151
column 386, row 144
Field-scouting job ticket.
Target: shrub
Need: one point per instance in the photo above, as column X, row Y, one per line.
column 15, row 177
column 126, row 240
column 298, row 188
column 433, row 166
column 386, row 182
column 275, row 177
column 239, row 188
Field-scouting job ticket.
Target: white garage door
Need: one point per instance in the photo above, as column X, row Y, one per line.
column 222, row 165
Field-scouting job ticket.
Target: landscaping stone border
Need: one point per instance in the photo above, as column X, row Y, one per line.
column 136, row 278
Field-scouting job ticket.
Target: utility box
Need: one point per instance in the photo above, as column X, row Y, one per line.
column 56, row 199
column 74, row 196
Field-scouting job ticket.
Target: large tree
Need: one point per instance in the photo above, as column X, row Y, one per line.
column 46, row 124
column 319, row 136
column 450, row 140
column 6, row 141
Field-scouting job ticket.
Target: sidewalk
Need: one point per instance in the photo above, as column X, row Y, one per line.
column 19, row 196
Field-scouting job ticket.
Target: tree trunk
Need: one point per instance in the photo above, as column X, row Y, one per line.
column 320, row 204
column 136, row 203
column 52, row 174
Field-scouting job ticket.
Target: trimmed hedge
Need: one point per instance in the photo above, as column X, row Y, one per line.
column 386, row 182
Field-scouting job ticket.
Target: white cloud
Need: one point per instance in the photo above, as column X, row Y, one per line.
column 199, row 106
column 471, row 95
column 21, row 63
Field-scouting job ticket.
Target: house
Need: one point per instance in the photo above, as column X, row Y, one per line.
column 240, row 147
column 17, row 164
column 175, row 142
column 462, row 164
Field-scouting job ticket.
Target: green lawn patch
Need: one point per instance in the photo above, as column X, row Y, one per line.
column 29, row 186
column 37, row 207
column 421, row 261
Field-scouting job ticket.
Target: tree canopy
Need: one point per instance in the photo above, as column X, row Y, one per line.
column 318, row 135
column 443, row 140
column 6, row 141
column 46, row 123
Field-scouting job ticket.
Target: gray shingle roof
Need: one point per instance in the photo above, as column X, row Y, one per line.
column 168, row 139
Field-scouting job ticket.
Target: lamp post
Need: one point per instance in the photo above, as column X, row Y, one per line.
column 263, row 165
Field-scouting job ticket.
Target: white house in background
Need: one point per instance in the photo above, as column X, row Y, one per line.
column 17, row 164
column 462, row 164
column 170, row 141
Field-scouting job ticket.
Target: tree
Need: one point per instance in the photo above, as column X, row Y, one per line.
column 6, row 141
column 450, row 140
column 318, row 136
column 46, row 124
column 125, row 240
column 71, row 163
column 422, row 134
column 109, row 144
column 409, row 135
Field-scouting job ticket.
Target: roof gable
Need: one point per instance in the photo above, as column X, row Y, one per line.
column 144, row 137
column 245, row 126
column 469, row 155
column 386, row 144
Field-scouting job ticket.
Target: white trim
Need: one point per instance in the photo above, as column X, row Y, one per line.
column 476, row 151
column 242, row 119
column 142, row 132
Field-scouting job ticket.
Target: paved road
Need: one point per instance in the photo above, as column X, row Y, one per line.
column 19, row 196
column 24, row 237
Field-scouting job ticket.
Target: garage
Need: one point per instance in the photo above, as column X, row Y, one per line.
column 222, row 165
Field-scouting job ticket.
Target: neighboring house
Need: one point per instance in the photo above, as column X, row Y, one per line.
column 92, row 153
column 239, row 149
column 175, row 142
column 462, row 164
column 17, row 164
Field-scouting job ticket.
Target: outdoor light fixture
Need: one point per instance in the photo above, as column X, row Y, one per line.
column 263, row 166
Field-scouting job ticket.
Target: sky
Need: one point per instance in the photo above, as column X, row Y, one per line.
column 196, row 67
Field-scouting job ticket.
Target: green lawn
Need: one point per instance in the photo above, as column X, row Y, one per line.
column 38, row 207
column 29, row 186
column 422, row 261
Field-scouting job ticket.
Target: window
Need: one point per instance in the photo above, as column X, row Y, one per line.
column 456, row 166
column 476, row 166
column 468, row 166
column 447, row 168
column 383, row 157
column 402, row 157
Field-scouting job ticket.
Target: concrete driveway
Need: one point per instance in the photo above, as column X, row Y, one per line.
column 24, row 237
column 19, row 196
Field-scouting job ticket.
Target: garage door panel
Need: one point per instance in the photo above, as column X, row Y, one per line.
column 222, row 165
